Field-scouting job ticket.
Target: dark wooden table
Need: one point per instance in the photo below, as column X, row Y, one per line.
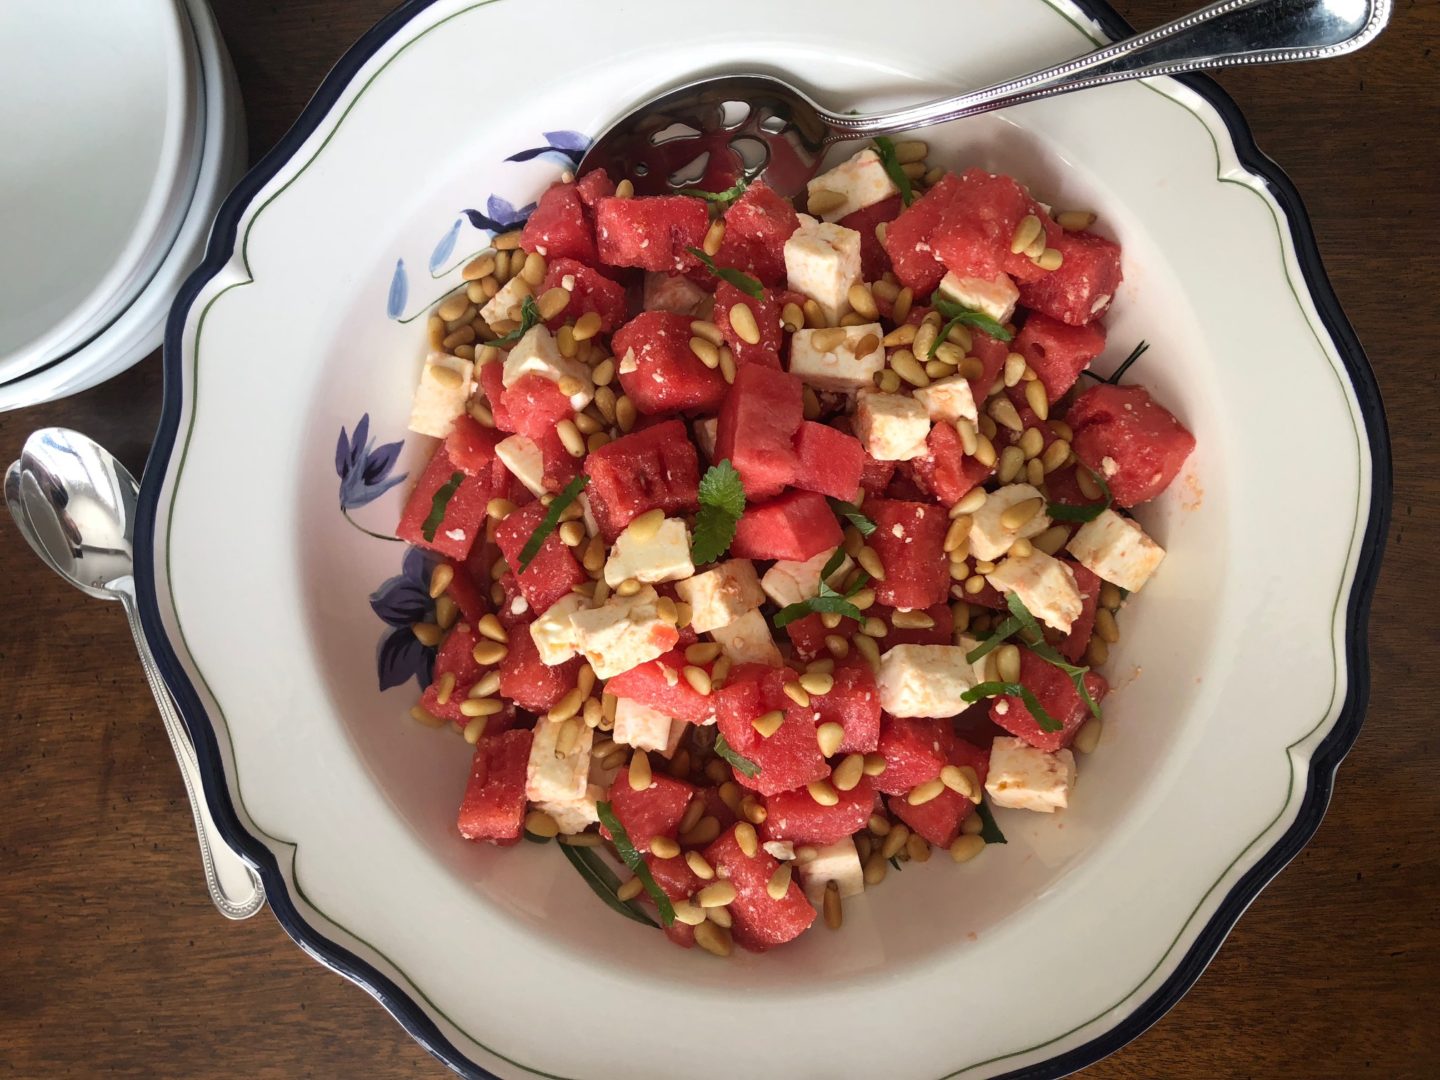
column 113, row 962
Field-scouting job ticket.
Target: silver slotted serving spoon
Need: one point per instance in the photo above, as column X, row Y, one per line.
column 709, row 133
column 75, row 505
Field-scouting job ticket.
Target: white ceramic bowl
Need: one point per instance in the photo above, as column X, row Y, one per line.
column 264, row 600
column 136, row 330
column 97, row 181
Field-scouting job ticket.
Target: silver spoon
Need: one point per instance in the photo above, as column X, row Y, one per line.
column 75, row 505
column 709, row 133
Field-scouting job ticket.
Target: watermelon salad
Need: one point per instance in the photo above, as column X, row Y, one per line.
column 776, row 547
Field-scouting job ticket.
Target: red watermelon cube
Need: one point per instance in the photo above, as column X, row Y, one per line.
column 914, row 752
column 1057, row 696
column 909, row 537
column 874, row 261
column 589, row 289
column 527, row 680
column 532, row 406
column 651, row 232
column 938, row 634
column 455, row 655
column 657, row 683
column 1079, row 291
column 656, row 467
column 553, row 572
column 975, row 232
column 760, row 922
column 560, row 467
column 467, row 595
column 594, row 186
column 494, row 803
column 464, row 511
column 853, row 703
column 659, row 371
column 791, row 756
column 1088, row 582
column 795, row 816
column 938, row 820
column 807, row 636
column 875, row 475
column 558, row 228
column 1058, row 352
column 756, row 228
column 766, row 312
column 831, row 462
column 908, row 238
column 655, row 811
column 797, row 525
column 991, row 352
column 1124, row 436
column 757, row 426
column 945, row 472
column 678, row 882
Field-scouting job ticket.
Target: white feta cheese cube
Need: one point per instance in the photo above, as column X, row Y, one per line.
column 640, row 726
column 748, row 640
column 892, row 427
column 989, row 539
column 847, row 367
column 822, row 261
column 1044, row 584
column 949, row 399
column 995, row 296
column 553, row 632
column 574, row 815
column 1024, row 778
column 537, row 354
column 706, row 430
column 924, row 680
column 1117, row 549
column 662, row 556
column 622, row 633
column 721, row 594
column 446, row 383
column 524, row 460
column 838, row 862
column 553, row 776
column 862, row 179
column 673, row 292
column 788, row 582
column 507, row 303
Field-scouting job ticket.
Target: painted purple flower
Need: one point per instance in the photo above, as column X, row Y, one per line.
column 401, row 602
column 363, row 467
column 500, row 215
column 570, row 145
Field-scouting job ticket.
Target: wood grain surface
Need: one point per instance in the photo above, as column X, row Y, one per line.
column 114, row 963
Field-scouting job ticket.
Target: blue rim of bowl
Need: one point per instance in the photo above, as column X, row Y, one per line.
column 400, row 1004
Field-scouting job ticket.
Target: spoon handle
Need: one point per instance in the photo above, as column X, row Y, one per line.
column 234, row 885
column 1224, row 34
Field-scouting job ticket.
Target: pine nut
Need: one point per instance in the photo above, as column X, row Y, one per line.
column 1088, row 737
column 837, row 646
column 1003, row 411
column 1097, row 652
column 1032, row 441
column 572, row 533
column 587, row 326
column 768, row 723
column 863, row 301
column 834, row 913
column 570, row 438
column 828, row 340
column 624, row 189
column 966, row 847
column 716, row 895
column 474, row 729
column 868, row 649
column 693, row 859
column 552, row 302
column 796, row 693
column 830, row 735
column 1038, row 399
column 895, row 841
column 507, row 241
column 984, row 450
column 973, row 825
column 915, row 170
column 714, row 238
column 869, row 561
column 823, row 792
column 630, row 890
column 817, row 683
column 489, row 652
column 640, row 775
column 918, row 848
column 1025, row 233
column 702, row 328
column 912, row 620
column 1075, row 220
column 1106, row 627
column 1050, row 259
column 482, row 266
column 742, row 321
column 904, row 363
column 888, row 381
column 702, row 652
column 901, row 335
column 1019, row 515
column 727, row 365
column 708, row 354
column 424, row 716
column 1012, row 460
column 823, row 200
column 848, row 773
column 875, row 764
column 792, row 317
column 1085, row 480
column 625, row 414
column 1055, row 456
column 923, row 793
column 662, row 847
column 705, row 832
column 485, row 706
column 779, row 883
column 875, row 869
column 698, row 678
column 1110, row 596
column 1051, row 540
column 810, row 403
column 746, row 838
column 713, row 939
column 489, row 626
column 539, row 823
column 688, row 913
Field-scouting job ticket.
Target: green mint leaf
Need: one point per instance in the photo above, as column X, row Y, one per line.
column 632, row 858
column 991, row 833
column 744, row 282
column 959, row 315
column 720, row 487
column 529, row 316
column 550, row 521
column 1019, row 611
column 722, row 502
column 886, row 151
column 1089, row 512
column 983, row 690
column 719, row 198
column 743, row 764
column 836, row 560
column 850, row 513
column 833, row 603
column 438, row 504
column 591, row 866
column 1006, row 630
column 860, row 582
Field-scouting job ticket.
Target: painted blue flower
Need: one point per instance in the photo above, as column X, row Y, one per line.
column 401, row 602
column 569, row 145
column 363, row 467
column 500, row 215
